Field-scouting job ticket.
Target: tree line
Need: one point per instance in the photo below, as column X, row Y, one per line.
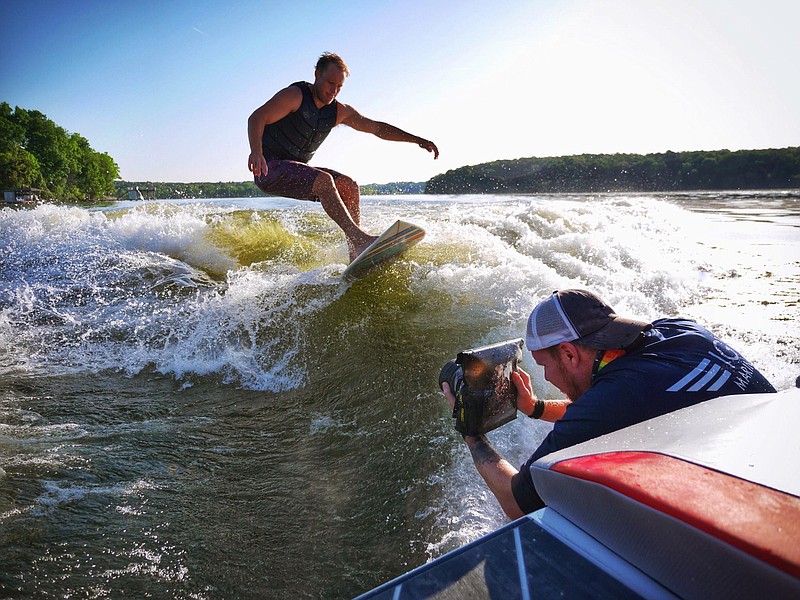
column 37, row 153
column 242, row 189
column 397, row 187
column 179, row 190
column 669, row 171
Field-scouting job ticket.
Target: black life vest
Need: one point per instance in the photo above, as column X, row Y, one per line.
column 298, row 135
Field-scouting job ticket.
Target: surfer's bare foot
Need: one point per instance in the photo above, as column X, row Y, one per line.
column 357, row 248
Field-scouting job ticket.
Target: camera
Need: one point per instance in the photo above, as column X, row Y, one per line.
column 480, row 379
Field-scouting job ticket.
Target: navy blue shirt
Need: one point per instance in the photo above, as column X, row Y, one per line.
column 677, row 364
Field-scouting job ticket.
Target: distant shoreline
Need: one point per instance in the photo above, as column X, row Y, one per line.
column 774, row 169
column 593, row 173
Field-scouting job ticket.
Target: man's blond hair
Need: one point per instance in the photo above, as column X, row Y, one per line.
column 329, row 58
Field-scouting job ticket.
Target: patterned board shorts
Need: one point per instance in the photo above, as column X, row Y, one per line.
column 291, row 179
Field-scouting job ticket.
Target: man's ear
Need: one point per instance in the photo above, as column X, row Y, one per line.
column 571, row 353
column 567, row 352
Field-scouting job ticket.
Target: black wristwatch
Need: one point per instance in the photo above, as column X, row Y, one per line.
column 538, row 409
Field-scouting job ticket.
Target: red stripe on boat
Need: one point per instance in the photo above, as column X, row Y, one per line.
column 760, row 521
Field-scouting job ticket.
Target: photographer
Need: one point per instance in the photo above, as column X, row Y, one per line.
column 615, row 372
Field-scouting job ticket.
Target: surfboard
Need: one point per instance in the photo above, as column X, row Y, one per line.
column 390, row 244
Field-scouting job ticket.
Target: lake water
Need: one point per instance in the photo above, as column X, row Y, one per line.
column 194, row 405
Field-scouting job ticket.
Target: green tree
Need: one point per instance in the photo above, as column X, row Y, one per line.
column 19, row 168
column 35, row 152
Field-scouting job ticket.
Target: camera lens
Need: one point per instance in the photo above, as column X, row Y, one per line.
column 452, row 374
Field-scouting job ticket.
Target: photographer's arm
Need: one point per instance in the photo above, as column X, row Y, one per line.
column 496, row 472
column 526, row 399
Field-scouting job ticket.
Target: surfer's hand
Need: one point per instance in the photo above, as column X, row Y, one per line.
column 525, row 396
column 429, row 146
column 451, row 399
column 257, row 164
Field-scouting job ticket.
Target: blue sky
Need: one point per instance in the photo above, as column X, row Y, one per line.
column 166, row 87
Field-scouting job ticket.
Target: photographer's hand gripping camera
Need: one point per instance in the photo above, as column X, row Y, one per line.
column 480, row 379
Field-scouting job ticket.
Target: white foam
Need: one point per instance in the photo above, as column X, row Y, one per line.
column 95, row 290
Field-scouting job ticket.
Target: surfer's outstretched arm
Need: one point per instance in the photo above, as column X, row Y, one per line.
column 352, row 118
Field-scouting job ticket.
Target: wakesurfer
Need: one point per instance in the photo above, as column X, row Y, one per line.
column 286, row 131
